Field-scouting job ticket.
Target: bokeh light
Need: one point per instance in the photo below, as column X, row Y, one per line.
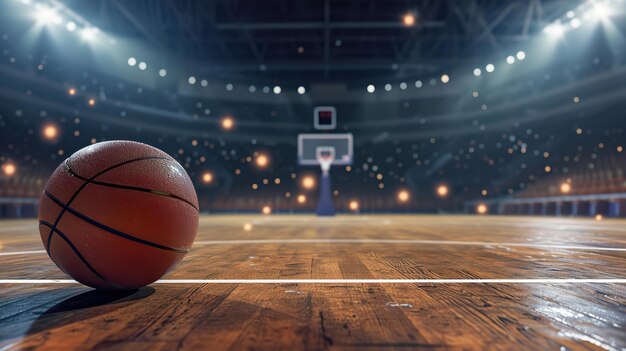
column 408, row 19
column 354, row 205
column 442, row 190
column 566, row 188
column 403, row 196
column 50, row 132
column 207, row 177
column 262, row 160
column 266, row 210
column 308, row 182
column 482, row 209
column 9, row 169
column 228, row 123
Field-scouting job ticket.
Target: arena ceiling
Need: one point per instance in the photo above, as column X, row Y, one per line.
column 326, row 40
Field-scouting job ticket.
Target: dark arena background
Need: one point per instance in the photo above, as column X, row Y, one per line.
column 432, row 174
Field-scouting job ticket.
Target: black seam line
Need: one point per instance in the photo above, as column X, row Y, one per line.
column 60, row 215
column 65, row 238
column 112, row 230
column 129, row 187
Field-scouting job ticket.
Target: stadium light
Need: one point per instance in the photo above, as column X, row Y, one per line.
column 262, row 161
column 510, row 60
column 371, row 88
column 477, row 72
column 277, row 90
column 163, row 72
column 490, row 68
column 575, row 23
column 70, row 26
column 142, row 66
column 191, row 80
column 555, row 30
column 354, row 205
column 46, row 16
column 301, row 90
column 445, row 78
column 600, row 11
column 482, row 209
column 132, row 61
column 387, row 87
column 89, row 34
column 521, row 55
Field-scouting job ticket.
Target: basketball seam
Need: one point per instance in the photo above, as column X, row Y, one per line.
column 112, row 230
column 129, row 187
column 82, row 186
column 75, row 249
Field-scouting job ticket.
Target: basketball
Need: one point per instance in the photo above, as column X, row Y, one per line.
column 118, row 215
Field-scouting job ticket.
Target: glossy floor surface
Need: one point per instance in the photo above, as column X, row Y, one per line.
column 343, row 283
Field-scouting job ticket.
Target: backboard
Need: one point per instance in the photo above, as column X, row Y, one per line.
column 312, row 146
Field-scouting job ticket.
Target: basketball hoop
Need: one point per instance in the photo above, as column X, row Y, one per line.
column 325, row 156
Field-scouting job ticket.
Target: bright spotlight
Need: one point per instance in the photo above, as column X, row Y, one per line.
column 371, row 88
column 521, row 55
column 510, row 60
column 70, row 26
column 89, row 34
column 48, row 16
column 490, row 68
column 600, row 11
column 555, row 29
column 277, row 90
column 132, row 61
column 162, row 72
column 301, row 90
column 477, row 72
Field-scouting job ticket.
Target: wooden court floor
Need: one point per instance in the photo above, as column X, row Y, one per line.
column 346, row 283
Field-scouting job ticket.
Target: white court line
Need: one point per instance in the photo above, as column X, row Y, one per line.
column 343, row 281
column 11, row 253
column 402, row 241
column 372, row 241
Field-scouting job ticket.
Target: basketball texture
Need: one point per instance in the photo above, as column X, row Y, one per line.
column 118, row 215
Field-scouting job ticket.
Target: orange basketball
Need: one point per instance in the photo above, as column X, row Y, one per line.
column 118, row 215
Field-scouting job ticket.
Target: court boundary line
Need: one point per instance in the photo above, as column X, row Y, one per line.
column 402, row 241
column 374, row 241
column 347, row 281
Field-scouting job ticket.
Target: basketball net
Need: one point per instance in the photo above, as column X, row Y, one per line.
column 325, row 157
